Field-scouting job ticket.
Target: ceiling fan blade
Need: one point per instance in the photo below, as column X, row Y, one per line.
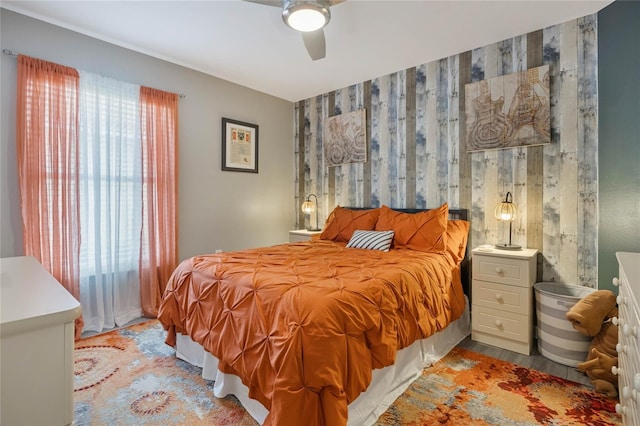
column 276, row 3
column 315, row 44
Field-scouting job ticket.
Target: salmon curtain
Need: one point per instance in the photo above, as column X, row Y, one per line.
column 158, row 250
column 47, row 148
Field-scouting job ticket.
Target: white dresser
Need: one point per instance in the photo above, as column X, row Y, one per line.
column 502, row 298
column 628, row 347
column 36, row 338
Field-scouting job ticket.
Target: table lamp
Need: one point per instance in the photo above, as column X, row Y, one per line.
column 506, row 212
column 308, row 207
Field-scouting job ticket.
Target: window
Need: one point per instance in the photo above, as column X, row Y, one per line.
column 93, row 212
column 110, row 183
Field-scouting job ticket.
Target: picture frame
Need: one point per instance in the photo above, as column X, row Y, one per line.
column 239, row 146
column 344, row 138
column 509, row 111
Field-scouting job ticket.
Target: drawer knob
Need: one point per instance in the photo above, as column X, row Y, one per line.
column 620, row 348
column 615, row 321
column 498, row 323
column 499, row 271
column 621, row 300
column 626, row 392
column 615, row 370
column 621, row 409
column 615, row 282
column 636, row 382
column 499, row 297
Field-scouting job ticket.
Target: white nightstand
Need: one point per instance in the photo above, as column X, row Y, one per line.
column 298, row 235
column 502, row 298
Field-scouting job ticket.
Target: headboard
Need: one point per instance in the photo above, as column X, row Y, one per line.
column 454, row 214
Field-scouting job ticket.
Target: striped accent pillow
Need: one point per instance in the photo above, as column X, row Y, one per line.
column 371, row 240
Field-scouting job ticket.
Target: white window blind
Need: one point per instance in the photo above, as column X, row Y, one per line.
column 110, row 200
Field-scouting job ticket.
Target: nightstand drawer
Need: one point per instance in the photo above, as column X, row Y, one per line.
column 503, row 324
column 295, row 238
column 518, row 272
column 299, row 235
column 517, row 300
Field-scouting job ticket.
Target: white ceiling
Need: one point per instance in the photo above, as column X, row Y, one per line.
column 248, row 44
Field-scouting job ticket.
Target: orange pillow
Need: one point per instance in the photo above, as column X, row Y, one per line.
column 457, row 236
column 424, row 231
column 342, row 222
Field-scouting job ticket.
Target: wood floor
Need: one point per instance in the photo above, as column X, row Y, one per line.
column 534, row 361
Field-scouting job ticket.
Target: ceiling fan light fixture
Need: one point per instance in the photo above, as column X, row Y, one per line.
column 306, row 16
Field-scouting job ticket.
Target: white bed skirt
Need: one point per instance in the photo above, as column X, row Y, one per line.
column 386, row 386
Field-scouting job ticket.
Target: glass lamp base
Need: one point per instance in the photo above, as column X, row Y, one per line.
column 508, row 247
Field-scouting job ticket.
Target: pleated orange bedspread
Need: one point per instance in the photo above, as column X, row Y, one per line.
column 304, row 324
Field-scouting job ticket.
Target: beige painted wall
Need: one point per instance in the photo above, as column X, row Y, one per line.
column 225, row 210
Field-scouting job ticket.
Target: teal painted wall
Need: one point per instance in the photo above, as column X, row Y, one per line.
column 619, row 135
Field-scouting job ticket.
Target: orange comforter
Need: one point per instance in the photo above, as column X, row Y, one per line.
column 303, row 325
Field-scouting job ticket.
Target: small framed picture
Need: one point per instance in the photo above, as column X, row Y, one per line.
column 239, row 146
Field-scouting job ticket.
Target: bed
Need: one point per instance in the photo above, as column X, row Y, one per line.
column 330, row 330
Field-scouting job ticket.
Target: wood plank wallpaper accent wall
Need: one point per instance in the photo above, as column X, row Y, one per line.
column 417, row 153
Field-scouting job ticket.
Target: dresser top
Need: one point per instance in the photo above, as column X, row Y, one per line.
column 525, row 253
column 31, row 296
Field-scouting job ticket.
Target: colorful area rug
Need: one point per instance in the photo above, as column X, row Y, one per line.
column 130, row 377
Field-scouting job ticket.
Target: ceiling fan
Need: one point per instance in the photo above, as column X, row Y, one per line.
column 307, row 16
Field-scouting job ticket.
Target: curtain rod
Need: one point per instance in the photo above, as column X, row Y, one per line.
column 14, row 53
